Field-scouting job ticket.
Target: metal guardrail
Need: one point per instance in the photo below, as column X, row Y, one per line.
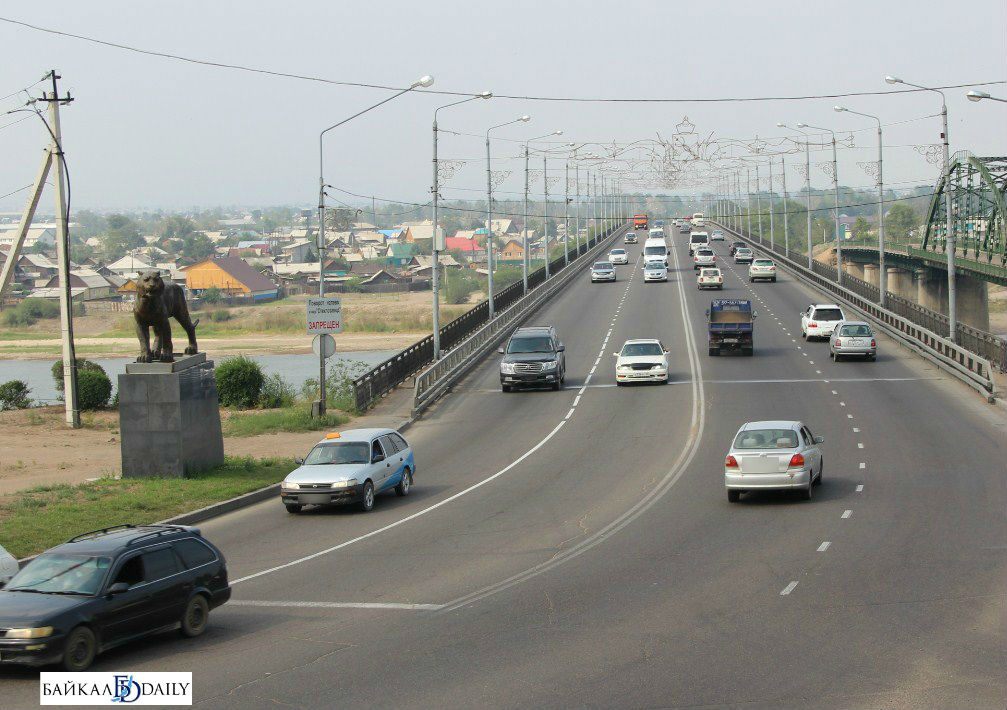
column 387, row 375
column 980, row 342
column 968, row 366
column 434, row 381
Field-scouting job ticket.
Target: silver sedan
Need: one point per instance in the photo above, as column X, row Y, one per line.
column 773, row 455
column 853, row 338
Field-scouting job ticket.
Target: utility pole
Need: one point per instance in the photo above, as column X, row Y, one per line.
column 576, row 179
column 566, row 216
column 758, row 199
column 786, row 212
column 63, row 257
column 545, row 212
column 772, row 193
column 524, row 255
column 748, row 199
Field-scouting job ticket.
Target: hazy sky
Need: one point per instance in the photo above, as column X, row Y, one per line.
column 149, row 132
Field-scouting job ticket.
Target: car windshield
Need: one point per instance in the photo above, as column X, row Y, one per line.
column 698, row 240
column 655, row 266
column 654, row 250
column 854, row 330
column 762, row 262
column 601, row 265
column 766, row 439
column 637, row 349
column 704, row 252
column 61, row 574
column 339, row 452
column 743, row 249
column 828, row 314
column 618, row 251
column 532, row 344
column 711, row 272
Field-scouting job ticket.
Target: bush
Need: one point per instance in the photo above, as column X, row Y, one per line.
column 276, row 392
column 459, row 286
column 31, row 310
column 93, row 389
column 339, row 378
column 211, row 295
column 14, row 395
column 239, row 382
column 82, row 366
column 220, row 316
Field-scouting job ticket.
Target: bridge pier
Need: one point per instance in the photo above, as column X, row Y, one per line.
column 854, row 269
column 900, row 282
column 972, row 296
column 932, row 290
column 871, row 274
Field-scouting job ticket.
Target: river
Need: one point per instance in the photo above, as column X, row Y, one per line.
column 295, row 369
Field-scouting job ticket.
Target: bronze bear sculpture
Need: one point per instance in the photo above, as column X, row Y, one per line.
column 157, row 301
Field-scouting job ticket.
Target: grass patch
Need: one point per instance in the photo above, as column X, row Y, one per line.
column 26, row 335
column 292, row 419
column 48, row 515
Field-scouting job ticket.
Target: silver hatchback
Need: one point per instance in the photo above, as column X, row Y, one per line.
column 773, row 455
column 853, row 338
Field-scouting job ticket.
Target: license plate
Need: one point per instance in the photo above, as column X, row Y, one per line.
column 729, row 340
column 855, row 341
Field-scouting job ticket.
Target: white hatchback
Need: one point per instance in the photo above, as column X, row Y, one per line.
column 710, row 278
column 819, row 320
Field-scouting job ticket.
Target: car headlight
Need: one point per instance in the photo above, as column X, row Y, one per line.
column 507, row 368
column 551, row 365
column 289, row 485
column 348, row 483
column 624, row 367
column 37, row 632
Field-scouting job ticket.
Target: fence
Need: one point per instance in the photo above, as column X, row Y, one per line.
column 980, row 342
column 387, row 375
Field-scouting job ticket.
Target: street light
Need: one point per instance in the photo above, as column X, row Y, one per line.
column 524, row 260
column 424, row 81
column 882, row 276
column 489, row 213
column 835, row 185
column 980, row 95
column 807, row 175
column 949, row 233
column 435, row 243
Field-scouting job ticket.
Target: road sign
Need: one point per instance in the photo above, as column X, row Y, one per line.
column 325, row 315
column 323, row 344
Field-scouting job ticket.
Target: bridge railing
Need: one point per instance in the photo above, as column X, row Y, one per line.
column 980, row 342
column 970, row 367
column 387, row 375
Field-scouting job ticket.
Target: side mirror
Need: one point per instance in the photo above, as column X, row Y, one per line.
column 819, row 439
column 615, row 354
column 500, row 350
column 299, row 461
column 707, row 312
column 561, row 348
column 118, row 588
column 377, row 458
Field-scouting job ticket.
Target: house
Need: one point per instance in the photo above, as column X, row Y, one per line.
column 299, row 233
column 37, row 266
column 397, row 234
column 383, row 277
column 231, row 275
column 85, row 285
column 372, row 251
column 298, row 251
column 259, row 245
column 365, row 268
column 503, row 226
column 44, row 235
column 129, row 265
column 464, row 234
column 423, row 265
column 368, row 237
column 513, row 250
column 93, row 242
column 470, row 248
column 399, row 254
column 363, row 226
column 419, row 232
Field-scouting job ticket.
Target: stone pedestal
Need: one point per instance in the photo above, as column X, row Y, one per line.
column 169, row 418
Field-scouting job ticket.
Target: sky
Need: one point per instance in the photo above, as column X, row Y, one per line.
column 147, row 132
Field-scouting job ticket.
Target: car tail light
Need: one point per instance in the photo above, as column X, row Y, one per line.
column 838, row 342
column 874, row 343
column 796, row 460
column 730, row 462
column 812, row 324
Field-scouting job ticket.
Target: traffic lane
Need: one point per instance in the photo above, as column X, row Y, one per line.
column 443, row 465
column 560, row 494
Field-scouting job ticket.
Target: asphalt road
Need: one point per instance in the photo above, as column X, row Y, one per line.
column 577, row 549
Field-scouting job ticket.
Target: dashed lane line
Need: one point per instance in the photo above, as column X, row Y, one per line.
column 824, row 546
column 846, row 513
column 788, row 589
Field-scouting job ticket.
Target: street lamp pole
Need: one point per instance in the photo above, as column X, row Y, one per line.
column 835, row 187
column 489, row 213
column 949, row 224
column 748, row 199
column 882, row 275
column 772, row 226
column 786, row 212
column 980, row 95
column 424, row 81
column 566, row 216
column 524, row 260
column 435, row 242
column 807, row 178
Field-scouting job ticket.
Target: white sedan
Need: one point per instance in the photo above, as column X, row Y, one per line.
column 655, row 271
column 641, row 360
column 618, row 256
column 710, row 278
column 762, row 269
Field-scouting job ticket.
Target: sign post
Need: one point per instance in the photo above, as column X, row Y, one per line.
column 324, row 315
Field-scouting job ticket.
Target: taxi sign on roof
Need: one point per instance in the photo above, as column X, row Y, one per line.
column 332, row 435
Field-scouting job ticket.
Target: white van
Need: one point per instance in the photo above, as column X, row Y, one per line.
column 654, row 249
column 656, row 233
column 698, row 239
column 698, row 219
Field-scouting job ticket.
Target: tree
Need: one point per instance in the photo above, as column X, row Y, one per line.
column 861, row 227
column 175, row 227
column 197, row 247
column 122, row 235
column 899, row 221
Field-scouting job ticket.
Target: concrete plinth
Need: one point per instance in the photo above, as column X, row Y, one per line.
column 871, row 274
column 900, row 282
column 169, row 418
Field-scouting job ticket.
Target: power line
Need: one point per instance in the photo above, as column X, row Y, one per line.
column 306, row 77
column 14, row 192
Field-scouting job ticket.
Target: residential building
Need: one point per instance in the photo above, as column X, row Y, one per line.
column 298, row 251
column 35, row 235
column 513, row 250
column 233, row 276
column 85, row 285
column 130, row 265
column 399, row 254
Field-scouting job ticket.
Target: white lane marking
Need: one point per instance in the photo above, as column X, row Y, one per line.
column 576, row 400
column 592, row 371
column 846, row 513
column 863, row 464
column 834, row 392
column 587, row 380
column 597, row 360
column 860, row 488
column 685, row 457
column 568, row 414
column 788, row 589
column 860, row 444
column 842, row 404
column 824, row 546
column 811, row 362
column 817, row 371
column 608, row 333
column 417, row 514
column 849, row 416
column 581, row 390
column 338, row 605
column 856, row 430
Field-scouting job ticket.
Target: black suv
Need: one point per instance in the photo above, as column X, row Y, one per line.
column 107, row 587
column 533, row 357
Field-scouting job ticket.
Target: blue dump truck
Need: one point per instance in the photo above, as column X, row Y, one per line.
column 731, row 324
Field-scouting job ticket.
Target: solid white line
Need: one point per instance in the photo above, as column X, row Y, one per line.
column 824, row 546
column 788, row 589
column 337, row 605
column 846, row 513
column 860, row 488
column 863, row 464
column 406, row 519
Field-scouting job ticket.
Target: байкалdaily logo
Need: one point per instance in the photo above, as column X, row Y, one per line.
column 115, row 688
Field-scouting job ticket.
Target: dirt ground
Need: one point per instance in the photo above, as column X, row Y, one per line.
column 36, row 448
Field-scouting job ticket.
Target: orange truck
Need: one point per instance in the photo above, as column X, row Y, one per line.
column 640, row 221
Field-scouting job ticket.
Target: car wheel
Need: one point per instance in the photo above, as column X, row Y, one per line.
column 367, row 503
column 506, row 388
column 80, row 649
column 556, row 386
column 196, row 617
column 821, row 470
column 293, row 508
column 405, row 484
column 806, row 492
column 773, row 279
column 733, row 495
column 872, row 358
column 751, row 280
column 747, row 352
column 714, row 352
